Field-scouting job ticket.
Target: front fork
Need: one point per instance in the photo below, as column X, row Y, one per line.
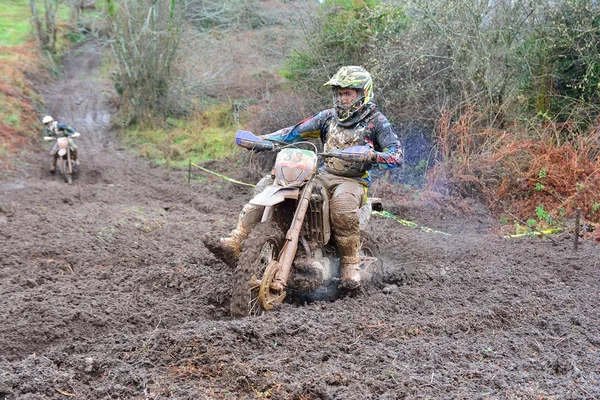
column 288, row 252
column 69, row 162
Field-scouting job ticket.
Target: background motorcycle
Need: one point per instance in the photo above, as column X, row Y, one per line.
column 291, row 251
column 65, row 158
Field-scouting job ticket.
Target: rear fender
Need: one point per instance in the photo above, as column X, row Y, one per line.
column 274, row 195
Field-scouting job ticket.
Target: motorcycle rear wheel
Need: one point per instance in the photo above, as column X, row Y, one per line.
column 369, row 250
column 261, row 248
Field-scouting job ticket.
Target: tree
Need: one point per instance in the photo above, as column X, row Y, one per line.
column 146, row 38
column 46, row 26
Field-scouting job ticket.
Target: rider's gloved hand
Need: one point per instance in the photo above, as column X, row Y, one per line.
column 372, row 156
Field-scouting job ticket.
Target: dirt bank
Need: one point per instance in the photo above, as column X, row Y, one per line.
column 108, row 293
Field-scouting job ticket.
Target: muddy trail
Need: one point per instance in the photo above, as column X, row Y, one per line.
column 108, row 292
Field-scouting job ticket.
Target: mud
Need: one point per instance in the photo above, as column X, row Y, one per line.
column 108, row 293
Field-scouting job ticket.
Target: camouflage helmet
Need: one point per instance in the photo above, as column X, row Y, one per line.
column 351, row 77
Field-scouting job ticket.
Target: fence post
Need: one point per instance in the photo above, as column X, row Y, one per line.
column 577, row 218
column 236, row 113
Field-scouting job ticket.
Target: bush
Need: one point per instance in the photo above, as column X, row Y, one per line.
column 344, row 32
column 561, row 65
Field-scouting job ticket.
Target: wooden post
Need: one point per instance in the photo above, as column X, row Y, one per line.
column 577, row 218
column 189, row 173
column 236, row 113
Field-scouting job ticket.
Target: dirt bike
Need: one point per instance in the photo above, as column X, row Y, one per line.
column 291, row 251
column 65, row 155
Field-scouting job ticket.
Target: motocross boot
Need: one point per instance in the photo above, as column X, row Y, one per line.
column 227, row 249
column 348, row 248
column 75, row 157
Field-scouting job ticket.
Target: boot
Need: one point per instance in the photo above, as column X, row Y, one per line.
column 233, row 243
column 75, row 154
column 351, row 276
column 227, row 249
column 348, row 248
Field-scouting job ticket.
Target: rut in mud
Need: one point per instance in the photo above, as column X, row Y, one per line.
column 107, row 292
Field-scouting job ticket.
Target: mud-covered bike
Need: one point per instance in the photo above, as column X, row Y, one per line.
column 291, row 251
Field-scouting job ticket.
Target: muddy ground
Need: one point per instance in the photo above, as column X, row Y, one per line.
column 108, row 293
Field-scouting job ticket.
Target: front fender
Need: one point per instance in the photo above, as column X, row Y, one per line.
column 274, row 195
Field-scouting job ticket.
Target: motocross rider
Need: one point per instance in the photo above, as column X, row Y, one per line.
column 57, row 129
column 354, row 120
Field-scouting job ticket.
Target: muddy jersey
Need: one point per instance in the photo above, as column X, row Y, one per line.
column 373, row 130
column 57, row 129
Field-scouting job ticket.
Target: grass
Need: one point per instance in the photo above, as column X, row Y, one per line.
column 15, row 24
column 207, row 136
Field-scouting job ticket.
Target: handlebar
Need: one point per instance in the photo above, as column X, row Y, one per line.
column 71, row 136
column 361, row 154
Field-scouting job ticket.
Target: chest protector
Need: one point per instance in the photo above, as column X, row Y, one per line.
column 340, row 137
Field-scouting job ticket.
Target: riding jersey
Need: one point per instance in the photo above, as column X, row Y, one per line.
column 58, row 129
column 373, row 130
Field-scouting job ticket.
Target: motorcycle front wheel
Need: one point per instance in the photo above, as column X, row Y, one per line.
column 65, row 170
column 261, row 249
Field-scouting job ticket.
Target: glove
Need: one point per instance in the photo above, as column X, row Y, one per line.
column 372, row 157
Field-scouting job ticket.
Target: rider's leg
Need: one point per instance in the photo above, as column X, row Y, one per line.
column 251, row 215
column 229, row 248
column 54, row 155
column 345, row 201
column 75, row 154
column 74, row 151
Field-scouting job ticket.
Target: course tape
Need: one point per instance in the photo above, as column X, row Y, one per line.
column 534, row 233
column 222, row 176
column 410, row 224
column 384, row 214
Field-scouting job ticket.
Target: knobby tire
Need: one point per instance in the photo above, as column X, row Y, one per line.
column 252, row 262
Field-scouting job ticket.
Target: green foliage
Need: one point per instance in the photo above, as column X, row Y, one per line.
column 14, row 25
column 110, row 8
column 542, row 214
column 344, row 33
column 208, row 136
column 561, row 62
column 75, row 37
